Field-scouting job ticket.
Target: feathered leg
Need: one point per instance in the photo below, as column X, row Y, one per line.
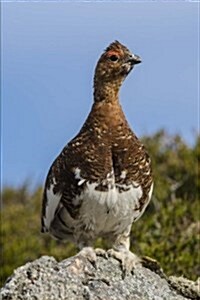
column 120, row 251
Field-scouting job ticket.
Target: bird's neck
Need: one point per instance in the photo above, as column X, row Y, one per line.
column 106, row 108
column 107, row 91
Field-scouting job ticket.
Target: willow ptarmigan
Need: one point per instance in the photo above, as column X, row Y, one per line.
column 102, row 180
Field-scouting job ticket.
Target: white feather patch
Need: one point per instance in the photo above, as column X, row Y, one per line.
column 51, row 205
column 77, row 173
column 109, row 211
column 123, row 174
column 130, row 199
column 151, row 191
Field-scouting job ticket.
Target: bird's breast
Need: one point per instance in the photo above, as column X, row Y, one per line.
column 108, row 208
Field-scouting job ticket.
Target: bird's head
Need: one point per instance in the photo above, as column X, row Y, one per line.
column 115, row 63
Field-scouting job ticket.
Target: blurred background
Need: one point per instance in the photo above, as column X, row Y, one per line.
column 49, row 52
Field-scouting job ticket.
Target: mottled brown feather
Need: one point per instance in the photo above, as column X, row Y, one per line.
column 105, row 142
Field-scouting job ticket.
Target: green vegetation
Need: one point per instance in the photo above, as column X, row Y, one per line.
column 168, row 231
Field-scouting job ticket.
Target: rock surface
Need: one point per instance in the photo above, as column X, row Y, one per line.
column 76, row 278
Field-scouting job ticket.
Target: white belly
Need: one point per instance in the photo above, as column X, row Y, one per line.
column 111, row 211
column 101, row 212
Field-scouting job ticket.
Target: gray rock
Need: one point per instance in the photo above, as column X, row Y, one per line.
column 76, row 278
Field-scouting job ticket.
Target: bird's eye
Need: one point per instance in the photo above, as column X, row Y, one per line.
column 113, row 57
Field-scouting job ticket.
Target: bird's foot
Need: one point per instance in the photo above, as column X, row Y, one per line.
column 128, row 260
column 90, row 254
column 101, row 252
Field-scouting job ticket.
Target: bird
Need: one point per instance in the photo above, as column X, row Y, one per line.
column 101, row 182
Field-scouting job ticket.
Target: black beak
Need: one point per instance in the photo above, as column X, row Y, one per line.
column 134, row 59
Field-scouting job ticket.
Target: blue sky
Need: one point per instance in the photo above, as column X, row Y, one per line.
column 49, row 52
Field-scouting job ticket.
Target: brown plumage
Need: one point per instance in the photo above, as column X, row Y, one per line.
column 102, row 180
